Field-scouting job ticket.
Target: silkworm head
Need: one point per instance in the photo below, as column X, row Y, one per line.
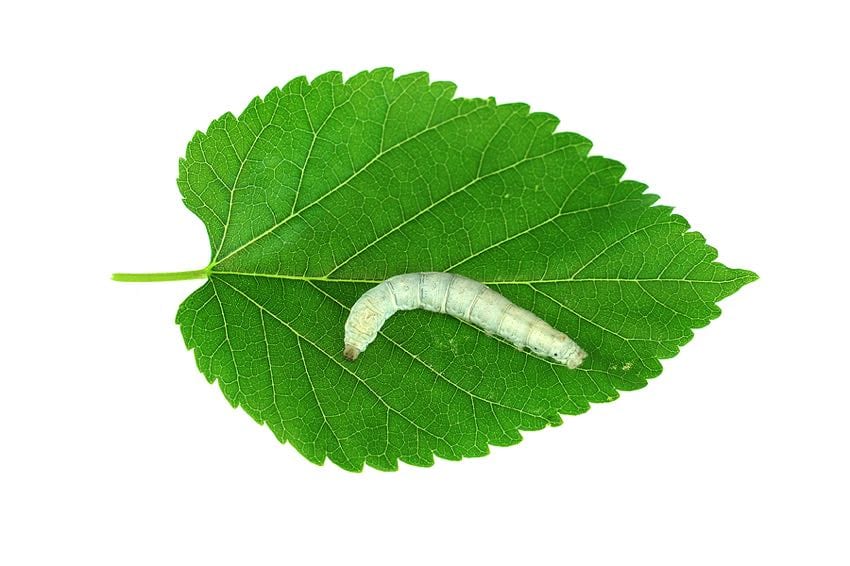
column 350, row 352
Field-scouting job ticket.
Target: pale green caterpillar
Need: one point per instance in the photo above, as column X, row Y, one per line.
column 460, row 297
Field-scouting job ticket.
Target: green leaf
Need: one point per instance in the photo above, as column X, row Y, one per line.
column 321, row 190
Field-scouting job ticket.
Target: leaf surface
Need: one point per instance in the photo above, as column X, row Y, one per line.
column 323, row 189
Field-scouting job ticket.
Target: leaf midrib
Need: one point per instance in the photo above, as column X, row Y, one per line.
column 324, row 279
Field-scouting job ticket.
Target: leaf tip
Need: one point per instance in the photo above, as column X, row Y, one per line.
column 747, row 276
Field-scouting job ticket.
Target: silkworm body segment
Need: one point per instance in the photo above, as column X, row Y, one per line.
column 462, row 298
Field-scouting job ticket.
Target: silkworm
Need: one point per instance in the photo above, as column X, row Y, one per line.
column 462, row 298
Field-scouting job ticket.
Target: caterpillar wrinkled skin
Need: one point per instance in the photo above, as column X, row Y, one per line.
column 462, row 298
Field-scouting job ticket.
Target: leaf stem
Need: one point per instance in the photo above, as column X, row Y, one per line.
column 166, row 276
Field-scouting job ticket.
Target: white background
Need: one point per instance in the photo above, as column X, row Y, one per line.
column 115, row 450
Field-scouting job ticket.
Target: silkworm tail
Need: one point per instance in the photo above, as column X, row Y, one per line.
column 576, row 359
